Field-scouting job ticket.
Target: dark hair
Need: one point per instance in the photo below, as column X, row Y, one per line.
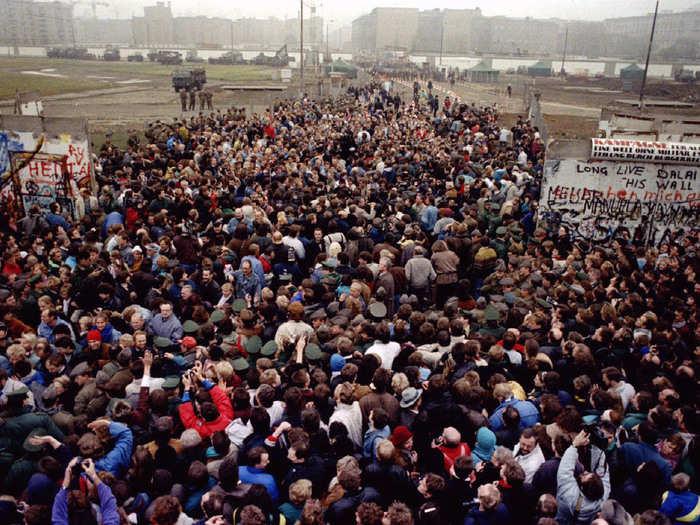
column 349, row 479
column 228, row 473
column 648, row 433
column 381, row 379
column 220, row 442
column 592, row 488
column 463, row 466
column 511, row 417
column 260, row 421
column 255, row 454
column 380, row 418
column 209, row 411
column 302, row 450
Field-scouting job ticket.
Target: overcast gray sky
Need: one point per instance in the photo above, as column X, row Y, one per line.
column 343, row 11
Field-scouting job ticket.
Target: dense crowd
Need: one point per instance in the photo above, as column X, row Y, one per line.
column 341, row 312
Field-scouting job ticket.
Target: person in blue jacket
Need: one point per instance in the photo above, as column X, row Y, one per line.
column 635, row 454
column 117, row 460
column 254, row 472
column 62, row 515
column 490, row 511
column 680, row 504
column 504, row 394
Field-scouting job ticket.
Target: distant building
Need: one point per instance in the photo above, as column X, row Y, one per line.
column 103, row 31
column 156, row 27
column 518, row 36
column 678, row 29
column 26, row 23
column 202, row 32
column 385, row 29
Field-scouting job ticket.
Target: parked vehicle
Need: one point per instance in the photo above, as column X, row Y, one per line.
column 112, row 55
column 166, row 57
column 193, row 57
column 74, row 53
column 136, row 57
column 230, row 58
column 189, row 79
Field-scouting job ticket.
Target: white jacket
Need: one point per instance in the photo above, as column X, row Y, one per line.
column 530, row 462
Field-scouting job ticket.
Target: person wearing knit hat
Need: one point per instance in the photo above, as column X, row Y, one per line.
column 402, row 439
column 337, row 364
column 94, row 335
column 400, row 436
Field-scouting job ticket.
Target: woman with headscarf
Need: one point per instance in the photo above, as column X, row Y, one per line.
column 485, row 446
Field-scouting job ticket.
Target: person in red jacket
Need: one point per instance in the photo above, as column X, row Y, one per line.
column 451, row 446
column 211, row 415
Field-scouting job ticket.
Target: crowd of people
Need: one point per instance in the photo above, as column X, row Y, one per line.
column 341, row 312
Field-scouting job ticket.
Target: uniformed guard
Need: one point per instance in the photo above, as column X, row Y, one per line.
column 193, row 99
column 183, row 99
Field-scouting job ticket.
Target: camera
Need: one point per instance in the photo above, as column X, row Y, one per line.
column 77, row 469
column 596, row 436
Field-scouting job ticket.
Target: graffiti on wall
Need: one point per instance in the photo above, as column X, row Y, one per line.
column 40, row 169
column 43, row 179
column 595, row 199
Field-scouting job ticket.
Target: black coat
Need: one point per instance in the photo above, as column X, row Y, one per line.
column 342, row 511
column 392, row 483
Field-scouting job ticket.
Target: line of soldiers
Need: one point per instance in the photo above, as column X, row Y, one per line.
column 205, row 99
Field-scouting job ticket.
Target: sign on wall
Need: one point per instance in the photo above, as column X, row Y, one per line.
column 594, row 199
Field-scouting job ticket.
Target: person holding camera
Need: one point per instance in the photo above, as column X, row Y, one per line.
column 579, row 497
column 72, row 506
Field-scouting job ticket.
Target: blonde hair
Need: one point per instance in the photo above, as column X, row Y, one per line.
column 85, row 322
column 126, row 340
column 399, row 383
column 269, row 376
column 16, row 352
column 282, row 302
column 300, row 491
column 224, row 369
column 30, row 339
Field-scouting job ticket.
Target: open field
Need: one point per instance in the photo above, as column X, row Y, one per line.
column 47, row 86
column 114, row 96
column 110, row 72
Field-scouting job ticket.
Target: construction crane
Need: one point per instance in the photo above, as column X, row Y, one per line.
column 93, row 4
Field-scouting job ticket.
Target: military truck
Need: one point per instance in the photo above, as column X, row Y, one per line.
column 229, row 58
column 193, row 57
column 169, row 58
column 685, row 75
column 136, row 57
column 74, row 53
column 189, row 79
column 112, row 55
column 281, row 58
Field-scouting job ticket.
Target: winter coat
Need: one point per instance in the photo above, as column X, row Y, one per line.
column 568, row 491
column 207, row 428
column 169, row 328
column 108, row 507
column 117, row 460
column 497, row 516
column 528, row 414
column 343, row 510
